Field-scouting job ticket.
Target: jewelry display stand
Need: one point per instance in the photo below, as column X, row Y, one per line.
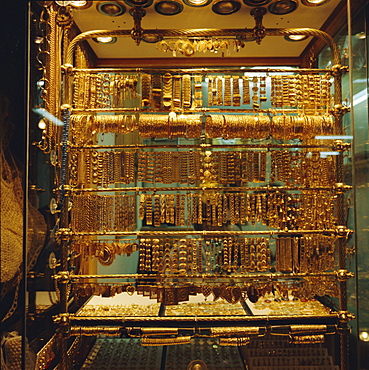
column 224, row 191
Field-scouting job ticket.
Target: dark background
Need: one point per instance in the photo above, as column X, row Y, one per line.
column 13, row 72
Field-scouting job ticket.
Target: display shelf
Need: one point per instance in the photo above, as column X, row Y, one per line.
column 205, row 111
column 204, row 145
column 206, row 276
column 339, row 231
column 267, row 306
column 202, row 71
column 121, row 305
column 129, row 308
column 158, row 189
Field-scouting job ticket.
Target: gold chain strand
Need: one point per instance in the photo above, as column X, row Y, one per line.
column 167, row 90
column 219, row 90
column 177, row 88
column 233, row 331
column 255, row 89
column 198, row 91
column 157, row 210
column 145, row 90
column 167, row 249
column 263, row 97
column 155, row 254
column 210, row 91
column 194, row 256
column 236, row 96
column 174, row 263
column 146, row 341
column 227, row 91
column 182, row 261
column 307, row 339
column 245, row 90
column 236, row 341
column 187, row 91
column 52, row 76
column 156, row 91
column 148, row 213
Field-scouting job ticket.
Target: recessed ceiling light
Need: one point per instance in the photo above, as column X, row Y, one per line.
column 168, row 7
column 81, row 4
column 63, row 3
column 105, row 39
column 225, row 7
column 295, row 37
column 197, row 3
column 111, row 8
column 256, row 2
column 143, row 3
column 282, row 7
column 314, row 2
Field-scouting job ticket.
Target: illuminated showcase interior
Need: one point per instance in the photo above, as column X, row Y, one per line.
column 196, row 160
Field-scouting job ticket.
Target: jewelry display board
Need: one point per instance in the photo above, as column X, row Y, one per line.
column 246, row 194
column 120, row 305
column 221, row 182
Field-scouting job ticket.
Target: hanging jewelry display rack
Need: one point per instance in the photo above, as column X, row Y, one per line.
column 212, row 192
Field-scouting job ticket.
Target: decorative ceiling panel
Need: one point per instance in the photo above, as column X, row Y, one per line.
column 202, row 18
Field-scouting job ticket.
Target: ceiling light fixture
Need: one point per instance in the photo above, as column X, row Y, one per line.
column 137, row 14
column 225, row 7
column 63, row 3
column 314, row 2
column 295, row 38
column 105, row 40
column 143, row 3
column 259, row 30
column 168, row 7
column 282, row 7
column 197, row 3
column 81, row 4
column 256, row 2
column 111, row 8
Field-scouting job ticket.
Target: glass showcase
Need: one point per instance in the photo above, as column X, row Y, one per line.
column 192, row 202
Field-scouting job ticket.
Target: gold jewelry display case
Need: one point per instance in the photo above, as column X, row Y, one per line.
column 199, row 205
